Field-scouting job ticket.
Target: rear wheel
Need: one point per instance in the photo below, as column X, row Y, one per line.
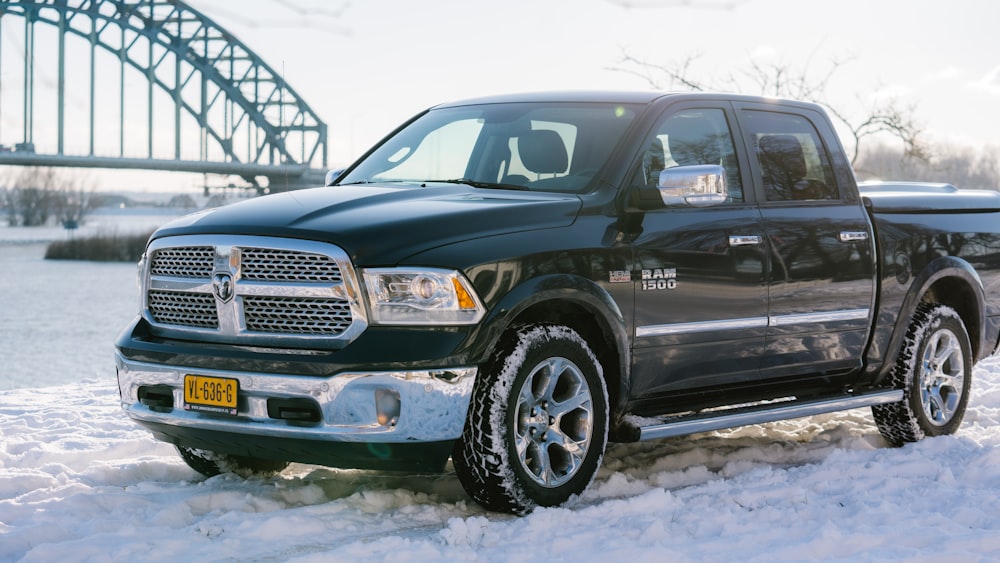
column 537, row 424
column 934, row 370
column 210, row 463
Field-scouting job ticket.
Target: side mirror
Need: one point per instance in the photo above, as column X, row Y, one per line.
column 701, row 185
column 332, row 175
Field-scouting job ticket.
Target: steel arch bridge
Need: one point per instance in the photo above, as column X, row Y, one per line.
column 190, row 95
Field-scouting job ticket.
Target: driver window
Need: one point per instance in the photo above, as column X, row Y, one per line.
column 687, row 138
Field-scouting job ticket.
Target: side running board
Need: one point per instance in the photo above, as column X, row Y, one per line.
column 759, row 414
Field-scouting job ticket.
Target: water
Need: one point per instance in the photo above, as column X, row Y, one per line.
column 59, row 319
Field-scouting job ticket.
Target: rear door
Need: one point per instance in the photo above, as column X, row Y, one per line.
column 820, row 244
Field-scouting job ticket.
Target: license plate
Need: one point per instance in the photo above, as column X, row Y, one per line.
column 212, row 394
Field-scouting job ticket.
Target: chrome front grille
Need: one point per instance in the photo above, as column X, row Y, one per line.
column 296, row 315
column 190, row 262
column 251, row 290
column 183, row 309
column 268, row 264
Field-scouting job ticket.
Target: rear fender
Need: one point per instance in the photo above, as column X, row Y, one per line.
column 947, row 280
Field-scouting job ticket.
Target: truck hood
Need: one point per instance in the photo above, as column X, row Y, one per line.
column 916, row 197
column 382, row 224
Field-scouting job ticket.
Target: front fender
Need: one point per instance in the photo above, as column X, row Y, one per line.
column 542, row 298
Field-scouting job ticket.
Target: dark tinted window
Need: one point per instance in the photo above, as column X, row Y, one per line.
column 793, row 161
column 691, row 137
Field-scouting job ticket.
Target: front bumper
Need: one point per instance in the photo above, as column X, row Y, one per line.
column 401, row 420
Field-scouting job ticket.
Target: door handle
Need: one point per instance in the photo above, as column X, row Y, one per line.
column 743, row 240
column 853, row 236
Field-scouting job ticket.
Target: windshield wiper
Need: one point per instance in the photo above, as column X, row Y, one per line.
column 359, row 182
column 479, row 184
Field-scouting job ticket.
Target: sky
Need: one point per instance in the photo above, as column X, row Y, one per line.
column 366, row 65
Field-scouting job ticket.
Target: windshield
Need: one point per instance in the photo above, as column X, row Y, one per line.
column 534, row 146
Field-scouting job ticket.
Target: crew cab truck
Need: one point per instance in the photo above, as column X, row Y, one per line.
column 514, row 282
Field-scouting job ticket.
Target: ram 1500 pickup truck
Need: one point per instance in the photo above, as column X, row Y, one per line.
column 514, row 282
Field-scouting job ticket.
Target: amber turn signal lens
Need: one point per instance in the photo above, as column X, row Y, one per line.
column 465, row 301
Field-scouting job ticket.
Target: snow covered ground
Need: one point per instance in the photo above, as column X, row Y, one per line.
column 79, row 482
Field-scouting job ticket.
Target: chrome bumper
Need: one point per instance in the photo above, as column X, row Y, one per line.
column 373, row 407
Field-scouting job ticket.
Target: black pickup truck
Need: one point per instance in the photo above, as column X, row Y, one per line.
column 512, row 282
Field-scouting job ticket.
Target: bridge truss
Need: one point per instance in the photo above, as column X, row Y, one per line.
column 189, row 95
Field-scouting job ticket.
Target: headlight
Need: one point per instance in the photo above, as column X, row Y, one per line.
column 412, row 296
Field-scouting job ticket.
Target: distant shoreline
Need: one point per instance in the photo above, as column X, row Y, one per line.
column 102, row 221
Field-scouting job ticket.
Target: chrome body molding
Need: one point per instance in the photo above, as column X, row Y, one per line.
column 429, row 405
column 704, row 326
column 752, row 323
column 820, row 318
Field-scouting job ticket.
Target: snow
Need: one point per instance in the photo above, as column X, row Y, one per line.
column 80, row 482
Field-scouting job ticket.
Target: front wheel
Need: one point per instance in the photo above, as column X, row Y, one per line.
column 537, row 423
column 211, row 464
column 934, row 370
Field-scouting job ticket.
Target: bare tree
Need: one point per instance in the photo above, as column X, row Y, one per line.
column 35, row 195
column 882, row 116
column 5, row 203
column 73, row 202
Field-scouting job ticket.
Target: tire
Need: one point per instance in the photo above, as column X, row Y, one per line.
column 211, row 464
column 537, row 423
column 934, row 370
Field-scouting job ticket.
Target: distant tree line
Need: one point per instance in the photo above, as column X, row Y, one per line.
column 35, row 196
column 962, row 166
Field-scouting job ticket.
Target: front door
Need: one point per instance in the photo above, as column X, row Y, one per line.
column 700, row 286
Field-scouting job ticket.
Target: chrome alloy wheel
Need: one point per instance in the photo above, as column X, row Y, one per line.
column 942, row 377
column 554, row 421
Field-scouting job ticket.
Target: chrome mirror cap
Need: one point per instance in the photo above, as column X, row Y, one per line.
column 701, row 185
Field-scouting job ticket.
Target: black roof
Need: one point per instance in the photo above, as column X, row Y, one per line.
column 637, row 97
column 612, row 96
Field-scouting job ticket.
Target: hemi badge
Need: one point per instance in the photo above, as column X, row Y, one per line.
column 620, row 276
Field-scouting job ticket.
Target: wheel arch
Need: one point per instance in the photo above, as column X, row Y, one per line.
column 950, row 281
column 578, row 303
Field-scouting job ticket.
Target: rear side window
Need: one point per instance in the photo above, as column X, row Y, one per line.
column 794, row 164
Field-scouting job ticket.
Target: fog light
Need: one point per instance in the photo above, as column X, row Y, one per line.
column 387, row 406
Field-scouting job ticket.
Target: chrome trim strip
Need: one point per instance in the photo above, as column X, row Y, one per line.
column 683, row 427
column 818, row 318
column 751, row 323
column 703, row 326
